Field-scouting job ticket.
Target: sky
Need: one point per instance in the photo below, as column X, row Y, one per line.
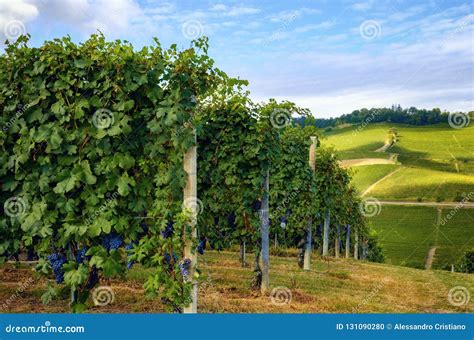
column 332, row 57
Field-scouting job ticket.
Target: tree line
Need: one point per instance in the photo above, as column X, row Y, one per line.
column 393, row 114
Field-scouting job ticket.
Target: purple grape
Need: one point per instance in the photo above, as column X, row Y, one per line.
column 112, row 241
column 184, row 267
column 202, row 245
column 57, row 260
column 168, row 230
column 81, row 255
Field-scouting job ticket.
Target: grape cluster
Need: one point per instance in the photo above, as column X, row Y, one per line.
column 112, row 241
column 167, row 260
column 81, row 255
column 57, row 260
column 144, row 227
column 202, row 245
column 168, row 230
column 184, row 267
column 231, row 220
column 257, row 205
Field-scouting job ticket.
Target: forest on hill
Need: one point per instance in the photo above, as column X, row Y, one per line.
column 393, row 114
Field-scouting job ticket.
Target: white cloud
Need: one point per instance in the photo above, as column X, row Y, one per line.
column 233, row 11
column 14, row 16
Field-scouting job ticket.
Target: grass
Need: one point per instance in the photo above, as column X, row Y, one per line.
column 455, row 237
column 332, row 286
column 429, row 185
column 366, row 139
column 407, row 233
column 366, row 175
column 438, row 160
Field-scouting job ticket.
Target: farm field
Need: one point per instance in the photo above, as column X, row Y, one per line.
column 335, row 286
column 438, row 160
column 406, row 235
column 436, row 164
column 364, row 176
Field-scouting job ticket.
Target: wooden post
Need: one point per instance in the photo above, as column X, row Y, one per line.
column 327, row 221
column 264, row 232
column 348, row 242
column 309, row 232
column 243, row 254
column 191, row 203
column 356, row 245
column 336, row 243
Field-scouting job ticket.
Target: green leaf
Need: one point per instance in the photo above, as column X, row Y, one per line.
column 75, row 277
column 66, row 185
column 123, row 184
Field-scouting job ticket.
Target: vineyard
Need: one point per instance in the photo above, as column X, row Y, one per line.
column 114, row 159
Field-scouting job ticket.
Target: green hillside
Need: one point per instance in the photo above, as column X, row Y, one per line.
column 434, row 164
column 438, row 161
column 408, row 233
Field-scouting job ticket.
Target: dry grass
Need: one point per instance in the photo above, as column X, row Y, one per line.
column 332, row 286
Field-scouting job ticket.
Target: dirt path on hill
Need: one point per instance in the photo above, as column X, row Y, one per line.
column 430, row 204
column 384, row 147
column 432, row 251
column 366, row 161
column 430, row 257
column 380, row 180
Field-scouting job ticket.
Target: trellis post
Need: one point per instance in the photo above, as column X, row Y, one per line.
column 356, row 245
column 191, row 203
column 264, row 233
column 327, row 221
column 348, row 241
column 309, row 233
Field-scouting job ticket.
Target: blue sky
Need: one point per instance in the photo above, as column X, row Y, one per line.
column 330, row 56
